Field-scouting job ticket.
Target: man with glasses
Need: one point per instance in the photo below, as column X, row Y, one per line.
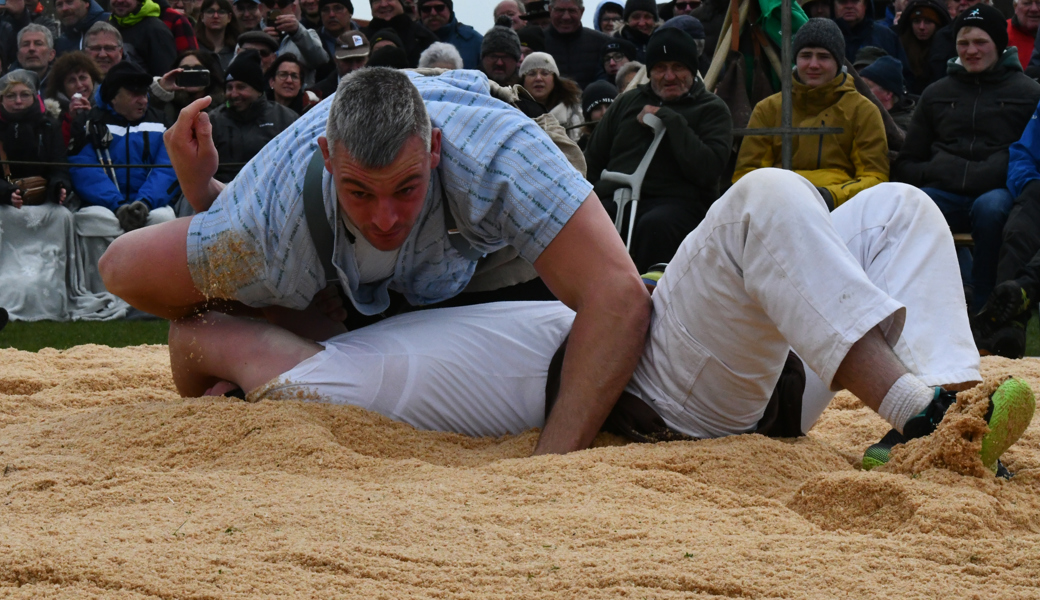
column 249, row 13
column 283, row 23
column 247, row 120
column 684, row 7
column 265, row 46
column 139, row 23
column 500, row 56
column 414, row 35
column 513, row 9
column 577, row 50
column 104, row 44
column 76, row 18
column 439, row 17
column 616, row 54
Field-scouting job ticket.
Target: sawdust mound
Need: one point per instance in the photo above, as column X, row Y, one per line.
column 113, row 487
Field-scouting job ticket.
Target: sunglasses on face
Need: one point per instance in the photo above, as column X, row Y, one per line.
column 685, row 5
column 432, row 8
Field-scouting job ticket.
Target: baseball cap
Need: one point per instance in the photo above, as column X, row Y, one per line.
column 351, row 44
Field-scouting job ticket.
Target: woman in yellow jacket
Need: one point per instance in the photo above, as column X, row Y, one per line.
column 839, row 165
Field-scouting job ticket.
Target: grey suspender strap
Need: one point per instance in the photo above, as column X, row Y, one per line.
column 321, row 231
column 317, row 220
column 458, row 242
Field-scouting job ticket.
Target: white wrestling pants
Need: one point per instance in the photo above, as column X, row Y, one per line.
column 769, row 269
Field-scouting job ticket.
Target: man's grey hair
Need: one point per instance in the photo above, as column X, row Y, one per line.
column 103, row 27
column 520, row 6
column 579, row 3
column 376, row 111
column 37, row 28
column 440, row 55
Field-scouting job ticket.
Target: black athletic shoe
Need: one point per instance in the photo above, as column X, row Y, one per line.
column 1008, row 341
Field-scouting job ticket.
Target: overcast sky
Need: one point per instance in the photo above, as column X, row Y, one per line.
column 475, row 13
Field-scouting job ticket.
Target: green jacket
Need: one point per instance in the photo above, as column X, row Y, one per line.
column 691, row 156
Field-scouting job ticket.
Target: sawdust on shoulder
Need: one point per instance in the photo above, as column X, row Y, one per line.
column 114, row 487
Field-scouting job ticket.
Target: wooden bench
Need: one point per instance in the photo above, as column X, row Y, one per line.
column 963, row 239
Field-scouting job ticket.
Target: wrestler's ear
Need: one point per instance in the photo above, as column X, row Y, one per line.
column 435, row 147
column 323, row 143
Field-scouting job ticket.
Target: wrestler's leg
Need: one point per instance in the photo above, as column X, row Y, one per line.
column 213, row 347
column 900, row 238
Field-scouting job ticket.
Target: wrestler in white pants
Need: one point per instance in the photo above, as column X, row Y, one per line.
column 769, row 269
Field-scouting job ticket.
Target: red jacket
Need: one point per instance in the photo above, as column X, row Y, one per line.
column 1021, row 39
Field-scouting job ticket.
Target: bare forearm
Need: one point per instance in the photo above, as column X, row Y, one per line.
column 605, row 344
column 201, row 197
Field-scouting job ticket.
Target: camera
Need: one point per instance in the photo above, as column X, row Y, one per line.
column 193, row 78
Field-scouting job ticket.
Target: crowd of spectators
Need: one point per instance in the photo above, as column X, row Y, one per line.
column 934, row 94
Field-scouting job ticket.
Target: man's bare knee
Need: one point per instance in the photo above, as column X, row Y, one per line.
column 111, row 265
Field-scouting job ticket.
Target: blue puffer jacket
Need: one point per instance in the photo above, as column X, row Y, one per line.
column 1024, row 164
column 132, row 144
column 465, row 39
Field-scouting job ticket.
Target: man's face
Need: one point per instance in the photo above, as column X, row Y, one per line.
column 287, row 81
column 33, row 53
column 131, row 105
column 670, row 80
column 815, row 66
column 434, row 15
column 511, row 10
column 820, row 10
column 267, row 56
column 565, row 16
column 386, row 9
column 78, row 82
column 976, row 49
column 686, row 7
column 885, row 97
column 239, row 95
column 609, row 20
column 349, row 65
column 335, row 18
column 384, row 204
column 71, row 12
column 923, row 28
column 642, row 21
column 1028, row 13
column 499, row 67
column 122, row 8
column 851, row 11
column 105, row 49
column 614, row 61
column 248, row 14
column 311, row 8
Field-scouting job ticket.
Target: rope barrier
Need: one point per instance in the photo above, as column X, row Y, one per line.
column 26, row 163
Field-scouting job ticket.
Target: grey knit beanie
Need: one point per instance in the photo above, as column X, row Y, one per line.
column 501, row 39
column 820, row 33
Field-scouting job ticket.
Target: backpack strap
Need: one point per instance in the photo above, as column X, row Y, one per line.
column 458, row 242
column 317, row 220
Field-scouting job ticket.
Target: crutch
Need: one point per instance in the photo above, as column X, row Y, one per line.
column 632, row 185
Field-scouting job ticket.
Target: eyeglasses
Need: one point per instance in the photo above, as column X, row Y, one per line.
column 12, row 96
column 614, row 56
column 216, row 12
column 283, row 75
column 432, row 8
column 685, row 5
column 104, row 49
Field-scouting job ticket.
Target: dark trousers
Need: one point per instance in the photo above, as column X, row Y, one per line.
column 661, row 225
column 1021, row 234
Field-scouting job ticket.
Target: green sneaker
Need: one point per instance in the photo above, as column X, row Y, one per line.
column 1010, row 411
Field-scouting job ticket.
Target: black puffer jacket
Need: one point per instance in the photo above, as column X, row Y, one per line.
column 153, row 42
column 239, row 136
column 964, row 123
column 579, row 55
column 33, row 136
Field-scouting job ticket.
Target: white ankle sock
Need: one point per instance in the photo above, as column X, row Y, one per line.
column 907, row 397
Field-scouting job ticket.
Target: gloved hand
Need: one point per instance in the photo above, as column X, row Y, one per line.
column 132, row 216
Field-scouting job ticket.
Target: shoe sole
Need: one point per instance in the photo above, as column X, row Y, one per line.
column 1013, row 405
column 876, row 455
